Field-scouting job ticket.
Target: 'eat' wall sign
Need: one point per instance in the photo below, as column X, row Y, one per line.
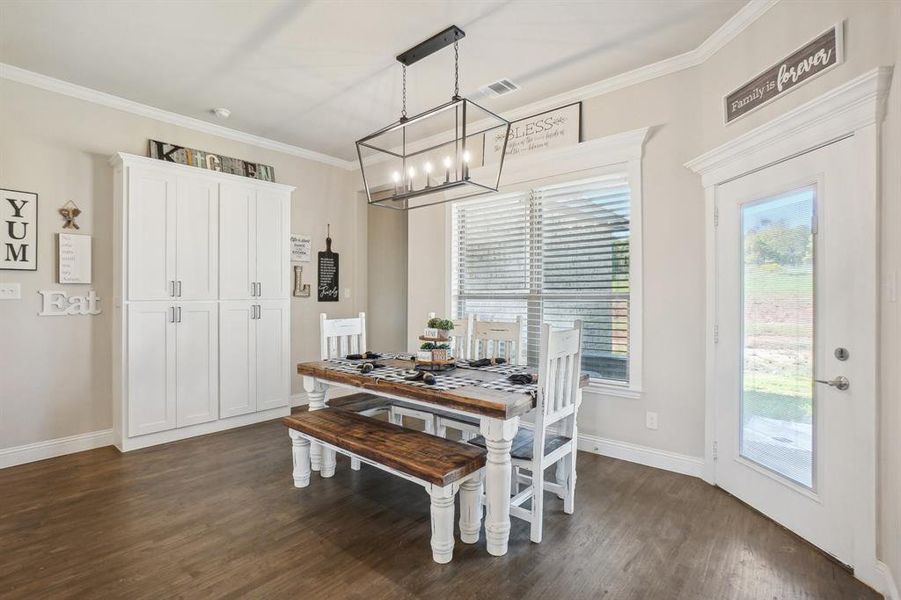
column 801, row 66
column 18, row 240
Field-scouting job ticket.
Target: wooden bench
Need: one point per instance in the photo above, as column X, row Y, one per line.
column 441, row 466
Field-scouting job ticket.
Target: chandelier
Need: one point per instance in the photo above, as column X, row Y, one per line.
column 446, row 153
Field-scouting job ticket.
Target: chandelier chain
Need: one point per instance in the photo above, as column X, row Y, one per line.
column 456, row 69
column 403, row 109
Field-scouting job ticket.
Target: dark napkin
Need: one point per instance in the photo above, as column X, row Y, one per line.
column 486, row 362
column 367, row 355
column 522, row 378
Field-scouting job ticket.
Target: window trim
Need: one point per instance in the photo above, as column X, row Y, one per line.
column 616, row 153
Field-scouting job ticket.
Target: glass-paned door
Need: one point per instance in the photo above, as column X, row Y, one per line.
column 777, row 395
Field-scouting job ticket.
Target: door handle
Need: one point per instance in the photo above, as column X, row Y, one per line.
column 178, row 318
column 841, row 382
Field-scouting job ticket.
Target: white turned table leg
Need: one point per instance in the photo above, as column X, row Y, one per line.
column 442, row 523
column 316, row 393
column 300, row 454
column 471, row 509
column 354, row 464
column 498, row 470
column 327, row 466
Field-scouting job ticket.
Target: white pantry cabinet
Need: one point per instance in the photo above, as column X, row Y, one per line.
column 201, row 328
column 252, row 231
column 172, row 242
column 255, row 373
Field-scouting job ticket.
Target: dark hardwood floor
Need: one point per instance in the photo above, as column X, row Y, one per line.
column 218, row 517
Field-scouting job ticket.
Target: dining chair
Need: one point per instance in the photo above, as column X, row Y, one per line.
column 488, row 339
column 340, row 337
column 553, row 438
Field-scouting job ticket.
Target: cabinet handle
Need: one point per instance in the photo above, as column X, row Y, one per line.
column 259, row 289
column 171, row 311
column 178, row 318
column 256, row 310
column 178, row 284
column 170, row 287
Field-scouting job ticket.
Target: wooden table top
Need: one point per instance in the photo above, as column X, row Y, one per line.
column 472, row 399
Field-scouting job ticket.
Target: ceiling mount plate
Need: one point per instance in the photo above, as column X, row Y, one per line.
column 431, row 45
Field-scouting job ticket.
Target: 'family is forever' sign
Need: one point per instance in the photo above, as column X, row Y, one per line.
column 814, row 58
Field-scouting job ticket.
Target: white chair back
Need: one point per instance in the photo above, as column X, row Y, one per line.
column 340, row 337
column 497, row 339
column 559, row 370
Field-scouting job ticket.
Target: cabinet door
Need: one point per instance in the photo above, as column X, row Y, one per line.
column 151, row 367
column 151, row 234
column 273, row 243
column 197, row 362
column 273, row 347
column 237, row 360
column 237, row 239
column 196, row 238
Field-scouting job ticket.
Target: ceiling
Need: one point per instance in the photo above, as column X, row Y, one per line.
column 320, row 74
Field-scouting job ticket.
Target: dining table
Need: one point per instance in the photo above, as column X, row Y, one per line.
column 484, row 394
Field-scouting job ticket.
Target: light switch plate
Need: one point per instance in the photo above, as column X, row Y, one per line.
column 651, row 420
column 347, row 292
column 10, row 291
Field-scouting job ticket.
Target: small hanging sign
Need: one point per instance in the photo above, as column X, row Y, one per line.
column 328, row 272
column 815, row 58
column 74, row 258
column 69, row 211
column 301, row 248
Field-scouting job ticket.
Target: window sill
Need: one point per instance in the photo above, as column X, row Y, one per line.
column 602, row 388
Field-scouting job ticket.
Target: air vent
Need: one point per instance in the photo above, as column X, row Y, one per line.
column 500, row 87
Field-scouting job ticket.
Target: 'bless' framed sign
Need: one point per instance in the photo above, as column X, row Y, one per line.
column 18, row 240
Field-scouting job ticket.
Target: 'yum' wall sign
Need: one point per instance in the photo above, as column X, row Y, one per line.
column 815, row 58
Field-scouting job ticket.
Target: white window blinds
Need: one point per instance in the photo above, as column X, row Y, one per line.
column 551, row 254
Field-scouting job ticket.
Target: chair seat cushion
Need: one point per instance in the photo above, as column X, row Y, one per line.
column 522, row 444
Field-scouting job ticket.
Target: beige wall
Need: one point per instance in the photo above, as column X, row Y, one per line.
column 55, row 372
column 685, row 111
column 386, row 272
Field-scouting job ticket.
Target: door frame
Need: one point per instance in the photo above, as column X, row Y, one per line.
column 853, row 110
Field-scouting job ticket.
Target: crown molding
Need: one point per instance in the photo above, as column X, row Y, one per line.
column 745, row 16
column 835, row 114
column 727, row 32
column 59, row 86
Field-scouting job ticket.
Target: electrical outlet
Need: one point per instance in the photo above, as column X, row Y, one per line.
column 650, row 420
column 10, row 291
column 347, row 292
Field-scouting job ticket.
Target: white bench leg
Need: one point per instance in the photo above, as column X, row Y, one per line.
column 442, row 523
column 300, row 454
column 471, row 509
column 354, row 463
column 327, row 468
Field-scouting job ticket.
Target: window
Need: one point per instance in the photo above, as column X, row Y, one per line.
column 551, row 254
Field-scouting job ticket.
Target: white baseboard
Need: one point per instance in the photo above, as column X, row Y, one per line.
column 651, row 457
column 889, row 585
column 19, row 455
column 298, row 399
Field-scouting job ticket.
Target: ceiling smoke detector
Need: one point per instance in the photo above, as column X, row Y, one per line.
column 500, row 87
column 221, row 113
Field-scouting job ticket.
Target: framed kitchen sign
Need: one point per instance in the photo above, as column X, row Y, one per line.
column 74, row 258
column 550, row 129
column 209, row 160
column 809, row 61
column 19, row 237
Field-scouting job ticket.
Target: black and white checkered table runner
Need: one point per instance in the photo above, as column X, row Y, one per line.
column 451, row 380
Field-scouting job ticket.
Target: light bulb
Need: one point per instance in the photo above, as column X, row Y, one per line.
column 395, row 176
column 428, row 168
column 447, row 162
column 466, row 156
column 411, row 172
